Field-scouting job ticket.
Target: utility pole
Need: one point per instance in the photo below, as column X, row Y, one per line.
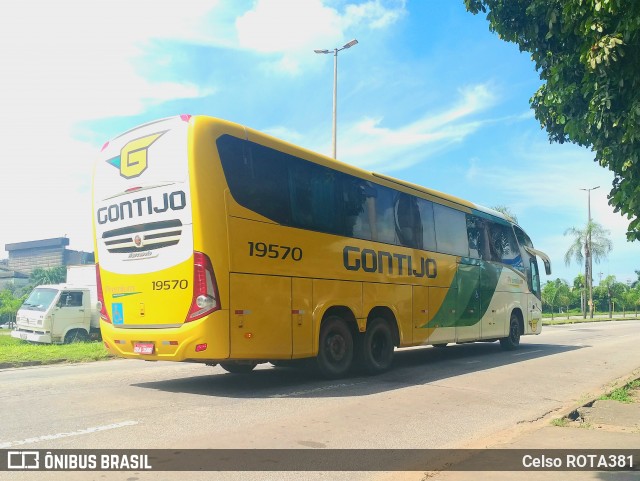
column 335, row 88
column 588, row 258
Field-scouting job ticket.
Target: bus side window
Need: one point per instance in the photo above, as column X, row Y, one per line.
column 451, row 231
column 428, row 225
column 478, row 235
column 360, row 208
column 371, row 217
column 315, row 201
column 504, row 246
column 254, row 174
column 407, row 221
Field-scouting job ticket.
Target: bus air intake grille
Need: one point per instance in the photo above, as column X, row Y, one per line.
column 148, row 236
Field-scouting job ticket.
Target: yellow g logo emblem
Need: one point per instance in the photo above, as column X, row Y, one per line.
column 133, row 159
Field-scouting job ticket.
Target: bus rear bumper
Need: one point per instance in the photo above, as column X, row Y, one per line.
column 206, row 339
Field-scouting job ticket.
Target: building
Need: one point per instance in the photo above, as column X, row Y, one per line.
column 24, row 257
column 9, row 277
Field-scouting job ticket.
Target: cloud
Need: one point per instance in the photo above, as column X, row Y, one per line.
column 375, row 13
column 292, row 29
column 276, row 26
column 544, row 181
column 371, row 145
column 64, row 63
column 73, row 61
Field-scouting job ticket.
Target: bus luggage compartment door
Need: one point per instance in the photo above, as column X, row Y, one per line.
column 260, row 317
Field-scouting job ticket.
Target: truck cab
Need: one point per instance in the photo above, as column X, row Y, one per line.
column 59, row 313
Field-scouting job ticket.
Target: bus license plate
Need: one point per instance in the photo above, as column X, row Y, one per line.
column 143, row 348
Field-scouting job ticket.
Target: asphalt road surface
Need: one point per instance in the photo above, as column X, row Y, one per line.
column 459, row 396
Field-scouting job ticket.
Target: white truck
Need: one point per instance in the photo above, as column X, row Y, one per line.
column 61, row 313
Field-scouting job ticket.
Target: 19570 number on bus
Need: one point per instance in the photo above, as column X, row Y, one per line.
column 274, row 251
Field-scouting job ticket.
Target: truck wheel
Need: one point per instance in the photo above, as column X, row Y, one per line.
column 76, row 335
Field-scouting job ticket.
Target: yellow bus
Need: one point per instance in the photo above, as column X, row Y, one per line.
column 218, row 244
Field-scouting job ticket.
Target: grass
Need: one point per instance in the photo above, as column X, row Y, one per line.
column 14, row 352
column 577, row 318
column 560, row 422
column 623, row 394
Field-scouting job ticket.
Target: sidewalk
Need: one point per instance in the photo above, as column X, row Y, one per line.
column 598, row 424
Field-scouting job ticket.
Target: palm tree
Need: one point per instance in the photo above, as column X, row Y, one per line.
column 592, row 242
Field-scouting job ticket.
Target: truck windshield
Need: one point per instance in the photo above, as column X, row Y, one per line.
column 39, row 299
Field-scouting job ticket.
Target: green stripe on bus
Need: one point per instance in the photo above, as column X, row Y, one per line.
column 469, row 295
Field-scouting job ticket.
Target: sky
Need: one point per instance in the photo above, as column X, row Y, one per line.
column 428, row 95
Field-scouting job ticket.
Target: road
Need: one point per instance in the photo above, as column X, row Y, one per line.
column 432, row 398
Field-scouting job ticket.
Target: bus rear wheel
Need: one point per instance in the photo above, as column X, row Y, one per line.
column 376, row 349
column 238, row 367
column 512, row 341
column 335, row 350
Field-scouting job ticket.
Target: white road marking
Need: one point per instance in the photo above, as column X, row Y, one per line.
column 79, row 432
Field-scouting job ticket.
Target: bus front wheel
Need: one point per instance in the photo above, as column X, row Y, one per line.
column 376, row 350
column 512, row 341
column 335, row 350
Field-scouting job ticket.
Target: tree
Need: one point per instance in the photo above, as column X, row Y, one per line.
column 614, row 292
column 588, row 56
column 503, row 209
column 9, row 305
column 592, row 241
column 555, row 293
column 52, row 275
column 632, row 298
column 579, row 286
column 636, row 283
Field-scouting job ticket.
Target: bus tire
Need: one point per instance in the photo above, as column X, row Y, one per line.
column 238, row 367
column 76, row 335
column 441, row 345
column 512, row 341
column 376, row 347
column 335, row 349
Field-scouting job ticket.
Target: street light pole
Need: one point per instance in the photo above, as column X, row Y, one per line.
column 335, row 89
column 589, row 264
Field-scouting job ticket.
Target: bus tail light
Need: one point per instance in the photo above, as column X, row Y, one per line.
column 205, row 290
column 101, row 306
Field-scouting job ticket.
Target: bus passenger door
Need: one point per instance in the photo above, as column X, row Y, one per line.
column 534, row 302
column 492, row 303
column 260, row 316
column 468, row 301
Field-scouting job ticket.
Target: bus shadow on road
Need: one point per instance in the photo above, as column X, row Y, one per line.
column 411, row 367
